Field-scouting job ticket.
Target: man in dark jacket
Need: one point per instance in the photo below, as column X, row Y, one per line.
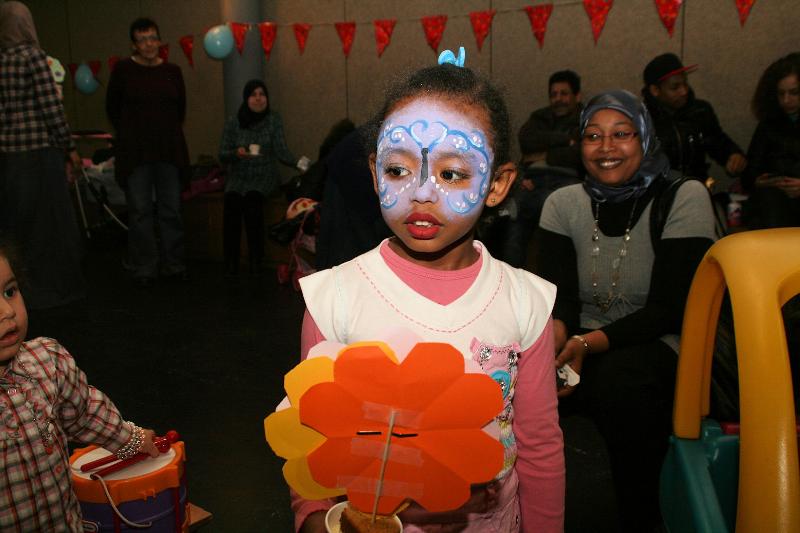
column 551, row 159
column 687, row 127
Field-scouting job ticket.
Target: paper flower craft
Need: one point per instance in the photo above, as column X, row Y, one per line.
column 384, row 428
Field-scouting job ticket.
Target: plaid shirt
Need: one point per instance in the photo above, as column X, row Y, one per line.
column 42, row 381
column 31, row 112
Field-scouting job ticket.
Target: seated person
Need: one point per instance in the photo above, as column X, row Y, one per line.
column 687, row 127
column 773, row 175
column 550, row 160
column 619, row 306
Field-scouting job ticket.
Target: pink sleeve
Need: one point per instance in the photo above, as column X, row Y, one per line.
column 540, row 444
column 310, row 335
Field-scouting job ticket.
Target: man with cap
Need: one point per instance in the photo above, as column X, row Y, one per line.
column 687, row 127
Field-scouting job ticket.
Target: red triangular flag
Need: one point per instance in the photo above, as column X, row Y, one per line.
column 239, row 30
column 539, row 15
column 668, row 12
column 94, row 66
column 301, row 30
column 163, row 52
column 268, row 32
column 434, row 28
column 481, row 24
column 383, row 33
column 347, row 32
column 744, row 7
column 72, row 68
column 112, row 62
column 598, row 12
column 187, row 45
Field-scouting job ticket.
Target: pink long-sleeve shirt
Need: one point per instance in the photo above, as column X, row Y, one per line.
column 540, row 459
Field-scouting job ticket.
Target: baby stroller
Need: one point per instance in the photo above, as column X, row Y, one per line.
column 97, row 185
column 299, row 231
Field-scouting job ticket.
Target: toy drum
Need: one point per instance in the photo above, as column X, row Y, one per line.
column 152, row 491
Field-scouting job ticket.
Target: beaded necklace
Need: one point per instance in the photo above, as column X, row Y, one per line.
column 613, row 295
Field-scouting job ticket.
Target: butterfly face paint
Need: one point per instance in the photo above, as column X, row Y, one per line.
column 444, row 138
column 433, row 168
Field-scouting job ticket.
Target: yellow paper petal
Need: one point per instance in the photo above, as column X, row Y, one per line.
column 306, row 375
column 288, row 437
column 299, row 478
column 382, row 345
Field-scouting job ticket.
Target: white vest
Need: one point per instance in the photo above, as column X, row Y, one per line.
column 359, row 300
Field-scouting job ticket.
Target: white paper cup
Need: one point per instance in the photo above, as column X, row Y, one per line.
column 334, row 516
column 254, row 149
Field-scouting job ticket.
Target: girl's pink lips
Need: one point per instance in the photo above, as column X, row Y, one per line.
column 423, row 226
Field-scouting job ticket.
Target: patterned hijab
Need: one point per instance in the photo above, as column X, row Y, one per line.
column 654, row 162
column 16, row 25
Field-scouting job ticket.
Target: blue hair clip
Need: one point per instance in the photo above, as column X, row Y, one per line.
column 448, row 56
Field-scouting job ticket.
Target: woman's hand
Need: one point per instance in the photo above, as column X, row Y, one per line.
column 736, row 164
column 572, row 353
column 74, row 166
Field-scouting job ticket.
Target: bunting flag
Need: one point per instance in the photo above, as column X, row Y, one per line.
column 434, row 29
column 239, row 30
column 112, row 62
column 481, row 24
column 744, row 7
column 301, row 34
column 187, row 45
column 268, row 32
column 383, row 33
column 668, row 12
column 347, row 32
column 72, row 67
column 94, row 66
column 163, row 52
column 539, row 15
column 598, row 12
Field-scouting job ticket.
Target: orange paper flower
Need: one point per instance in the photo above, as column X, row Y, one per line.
column 437, row 448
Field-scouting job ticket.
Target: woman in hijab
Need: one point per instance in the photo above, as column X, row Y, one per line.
column 35, row 142
column 620, row 303
column 252, row 144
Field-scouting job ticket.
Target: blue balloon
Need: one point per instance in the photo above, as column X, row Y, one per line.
column 218, row 42
column 85, row 81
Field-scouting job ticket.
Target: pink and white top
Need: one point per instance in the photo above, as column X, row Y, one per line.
column 495, row 314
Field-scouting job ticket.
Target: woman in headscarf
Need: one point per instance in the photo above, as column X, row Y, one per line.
column 620, row 302
column 252, row 144
column 35, row 143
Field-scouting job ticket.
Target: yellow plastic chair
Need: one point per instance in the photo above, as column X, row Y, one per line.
column 762, row 272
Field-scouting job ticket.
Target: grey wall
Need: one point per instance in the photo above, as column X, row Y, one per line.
column 314, row 90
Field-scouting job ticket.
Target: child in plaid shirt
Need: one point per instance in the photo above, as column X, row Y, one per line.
column 44, row 401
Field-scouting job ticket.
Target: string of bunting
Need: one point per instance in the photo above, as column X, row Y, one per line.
column 233, row 34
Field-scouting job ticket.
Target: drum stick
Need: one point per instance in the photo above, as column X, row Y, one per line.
column 162, row 443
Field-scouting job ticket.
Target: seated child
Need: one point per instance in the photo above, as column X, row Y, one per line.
column 439, row 153
column 44, row 401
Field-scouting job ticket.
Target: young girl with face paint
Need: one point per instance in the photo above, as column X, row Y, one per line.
column 440, row 155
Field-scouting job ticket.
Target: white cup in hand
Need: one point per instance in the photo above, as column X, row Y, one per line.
column 254, row 149
column 303, row 164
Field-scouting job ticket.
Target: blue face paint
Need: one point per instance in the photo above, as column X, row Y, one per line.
column 432, row 141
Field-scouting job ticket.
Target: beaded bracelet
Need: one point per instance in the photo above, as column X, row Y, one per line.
column 134, row 444
column 582, row 340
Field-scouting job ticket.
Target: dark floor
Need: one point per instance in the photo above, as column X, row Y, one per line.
column 207, row 358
